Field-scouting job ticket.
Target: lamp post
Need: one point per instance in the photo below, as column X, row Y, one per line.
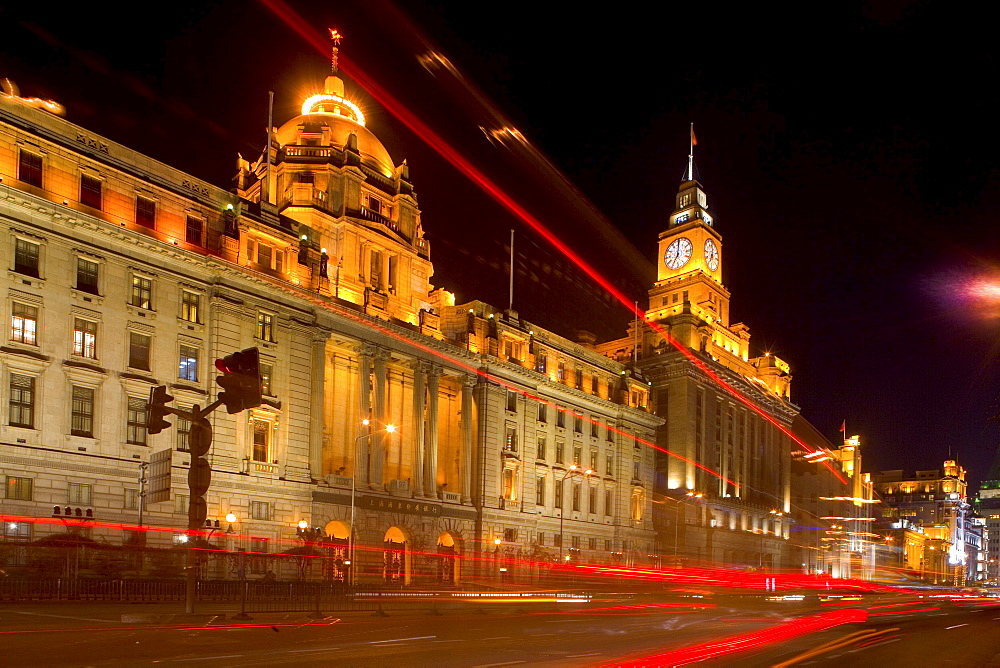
column 389, row 429
column 573, row 468
column 241, row 568
column 691, row 495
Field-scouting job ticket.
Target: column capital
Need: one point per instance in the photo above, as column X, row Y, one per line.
column 420, row 366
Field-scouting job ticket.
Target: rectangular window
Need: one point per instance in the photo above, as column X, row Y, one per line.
column 82, row 412
column 577, row 455
column 607, row 545
column 26, row 257
column 576, row 495
column 29, row 168
column 540, row 491
column 609, row 464
column 558, row 502
column 264, row 255
column 84, row 338
column 188, row 365
column 635, row 471
column 541, row 538
column 145, row 212
column 510, row 444
column 592, row 502
column 591, row 543
column 610, row 432
column 578, row 377
column 541, row 362
column 560, row 452
column 261, row 440
column 138, row 351
column 561, row 371
column 136, row 421
column 593, row 460
column 190, row 306
column 540, row 450
column 609, row 504
column 79, row 494
column 131, row 500
column 91, row 191
column 260, row 510
column 142, row 292
column 543, row 412
column 265, row 326
column 86, row 275
column 510, row 535
column 193, row 231
column 24, row 324
column 557, row 540
column 266, row 374
column 22, row 401
column 183, row 428
column 19, row 488
column 181, row 503
column 509, row 483
column 594, row 384
column 575, row 542
column 511, row 401
column 578, row 424
column 560, row 417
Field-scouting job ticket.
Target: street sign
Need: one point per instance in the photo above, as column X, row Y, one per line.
column 159, row 476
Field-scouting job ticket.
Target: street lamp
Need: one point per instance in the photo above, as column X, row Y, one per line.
column 691, row 495
column 573, row 468
column 389, row 429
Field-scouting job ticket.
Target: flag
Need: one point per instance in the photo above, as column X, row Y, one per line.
column 843, row 427
column 694, row 140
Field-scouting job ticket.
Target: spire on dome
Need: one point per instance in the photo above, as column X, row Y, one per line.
column 335, row 38
column 689, row 175
column 332, row 100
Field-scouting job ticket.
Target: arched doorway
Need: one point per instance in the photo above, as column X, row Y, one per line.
column 448, row 565
column 395, row 558
column 337, row 564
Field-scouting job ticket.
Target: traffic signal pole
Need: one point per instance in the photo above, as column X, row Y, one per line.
column 242, row 385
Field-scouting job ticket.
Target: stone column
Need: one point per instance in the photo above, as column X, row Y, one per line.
column 362, row 447
column 378, row 442
column 431, row 446
column 468, row 382
column 419, row 392
column 316, row 407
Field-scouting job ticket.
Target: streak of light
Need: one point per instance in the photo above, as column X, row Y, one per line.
column 865, row 635
column 748, row 641
column 435, row 141
column 901, row 612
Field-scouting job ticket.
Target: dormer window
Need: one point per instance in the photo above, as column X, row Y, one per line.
column 375, row 204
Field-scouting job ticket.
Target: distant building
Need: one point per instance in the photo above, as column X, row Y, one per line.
column 936, row 502
column 987, row 504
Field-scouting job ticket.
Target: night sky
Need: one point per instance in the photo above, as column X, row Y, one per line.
column 847, row 156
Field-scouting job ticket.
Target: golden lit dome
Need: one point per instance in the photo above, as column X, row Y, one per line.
column 336, row 130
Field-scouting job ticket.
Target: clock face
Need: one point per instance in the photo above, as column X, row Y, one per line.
column 711, row 254
column 678, row 253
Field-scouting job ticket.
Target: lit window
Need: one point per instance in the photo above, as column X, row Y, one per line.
column 188, row 365
column 540, row 491
column 86, row 275
column 265, row 326
column 80, row 494
column 90, row 191
column 561, row 371
column 145, row 212
column 261, row 441
column 510, row 444
column 190, row 306
column 84, row 338
column 560, row 452
column 29, row 168
column 82, row 412
column 19, row 488
column 138, row 351
column 578, row 376
column 594, row 383
column 541, row 362
column 23, row 324
column 26, row 257
column 266, row 374
column 260, row 510
column 508, row 481
column 593, row 459
column 142, row 292
column 136, row 421
column 22, row 401
column 193, row 231
column 577, row 454
column 638, row 497
column 592, row 503
column 540, row 451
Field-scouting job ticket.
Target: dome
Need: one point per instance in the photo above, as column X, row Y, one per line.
column 336, row 129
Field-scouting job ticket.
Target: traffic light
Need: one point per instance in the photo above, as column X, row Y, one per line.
column 157, row 409
column 241, row 381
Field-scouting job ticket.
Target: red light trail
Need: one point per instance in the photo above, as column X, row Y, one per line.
column 435, row 141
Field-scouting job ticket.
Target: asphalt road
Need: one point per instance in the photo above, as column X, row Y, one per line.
column 91, row 635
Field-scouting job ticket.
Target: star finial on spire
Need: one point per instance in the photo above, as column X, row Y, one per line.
column 335, row 38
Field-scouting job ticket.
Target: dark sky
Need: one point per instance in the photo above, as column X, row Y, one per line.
column 848, row 157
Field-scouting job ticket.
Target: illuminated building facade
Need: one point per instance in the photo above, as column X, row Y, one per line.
column 987, row 505
column 123, row 274
column 742, row 517
column 936, row 502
